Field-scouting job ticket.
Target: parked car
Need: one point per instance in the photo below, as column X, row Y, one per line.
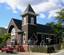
column 8, row 49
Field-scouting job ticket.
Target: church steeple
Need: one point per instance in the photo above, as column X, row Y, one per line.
column 28, row 19
column 29, row 10
column 29, row 16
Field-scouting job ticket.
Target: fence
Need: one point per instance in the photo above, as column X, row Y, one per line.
column 44, row 48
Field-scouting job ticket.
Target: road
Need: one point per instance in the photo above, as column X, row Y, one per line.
column 59, row 53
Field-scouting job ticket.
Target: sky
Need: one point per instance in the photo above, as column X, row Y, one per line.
column 46, row 10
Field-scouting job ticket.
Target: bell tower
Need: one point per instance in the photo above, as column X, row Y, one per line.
column 28, row 18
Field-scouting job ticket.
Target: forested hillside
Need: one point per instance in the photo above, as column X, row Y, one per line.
column 2, row 30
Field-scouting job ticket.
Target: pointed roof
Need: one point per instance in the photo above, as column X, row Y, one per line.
column 29, row 9
column 17, row 22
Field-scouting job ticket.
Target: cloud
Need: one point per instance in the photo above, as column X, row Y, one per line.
column 41, row 15
column 43, row 7
column 20, row 4
column 39, row 5
column 37, row 2
column 10, row 3
column 53, row 13
column 6, row 27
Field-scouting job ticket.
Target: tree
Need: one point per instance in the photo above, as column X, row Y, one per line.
column 56, row 27
column 60, row 16
column 1, row 40
column 4, row 38
column 51, row 24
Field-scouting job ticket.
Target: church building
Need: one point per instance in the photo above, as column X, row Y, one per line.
column 28, row 32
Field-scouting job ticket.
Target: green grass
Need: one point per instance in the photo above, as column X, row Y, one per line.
column 39, row 49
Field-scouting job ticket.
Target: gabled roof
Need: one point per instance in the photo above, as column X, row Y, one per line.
column 17, row 22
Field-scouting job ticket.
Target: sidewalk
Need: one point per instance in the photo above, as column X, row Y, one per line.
column 32, row 53
column 61, row 52
column 36, row 53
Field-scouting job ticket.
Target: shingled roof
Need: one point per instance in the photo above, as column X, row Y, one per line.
column 44, row 28
column 39, row 28
column 29, row 9
column 18, row 23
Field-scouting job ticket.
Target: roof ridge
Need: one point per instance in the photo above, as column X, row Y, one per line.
column 16, row 19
